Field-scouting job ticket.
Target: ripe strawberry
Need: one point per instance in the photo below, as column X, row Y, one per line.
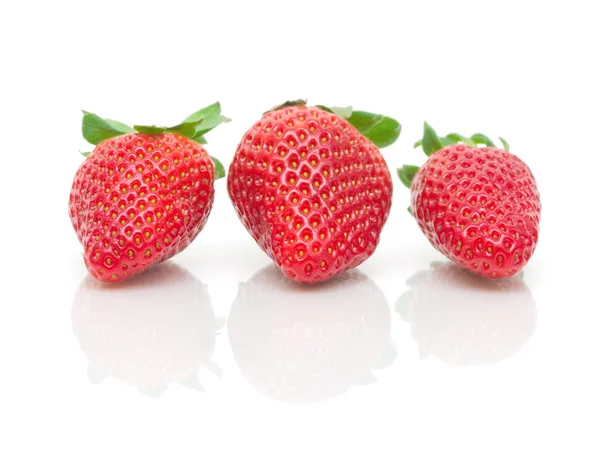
column 479, row 206
column 312, row 190
column 464, row 319
column 144, row 193
column 300, row 346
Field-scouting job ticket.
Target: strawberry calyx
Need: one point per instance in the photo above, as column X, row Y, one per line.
column 379, row 129
column 96, row 129
column 431, row 142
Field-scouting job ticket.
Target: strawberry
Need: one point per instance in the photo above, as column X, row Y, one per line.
column 312, row 188
column 144, row 193
column 479, row 206
column 464, row 319
column 302, row 345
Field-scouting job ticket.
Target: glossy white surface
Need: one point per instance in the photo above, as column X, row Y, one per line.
column 215, row 349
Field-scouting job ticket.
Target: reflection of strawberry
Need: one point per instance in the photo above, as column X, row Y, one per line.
column 304, row 345
column 151, row 330
column 479, row 206
column 312, row 187
column 465, row 319
column 142, row 195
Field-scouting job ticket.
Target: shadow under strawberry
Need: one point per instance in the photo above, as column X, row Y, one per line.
column 464, row 319
column 304, row 344
column 150, row 331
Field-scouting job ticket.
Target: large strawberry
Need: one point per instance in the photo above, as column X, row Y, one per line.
column 312, row 188
column 144, row 193
column 479, row 206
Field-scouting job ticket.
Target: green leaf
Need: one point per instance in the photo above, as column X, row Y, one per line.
column 379, row 129
column 200, row 139
column 186, row 129
column 344, row 112
column 150, row 129
column 95, row 129
column 409, row 209
column 207, row 118
column 85, row 153
column 407, row 174
column 504, row 143
column 455, row 138
column 219, row 169
column 483, row 139
column 431, row 142
column 418, row 143
column 208, row 111
column 325, row 108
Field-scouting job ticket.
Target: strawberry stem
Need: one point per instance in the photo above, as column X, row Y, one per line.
column 287, row 104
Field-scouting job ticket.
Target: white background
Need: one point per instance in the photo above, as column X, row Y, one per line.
column 525, row 70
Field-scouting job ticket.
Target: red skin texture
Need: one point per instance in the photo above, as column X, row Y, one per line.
column 480, row 207
column 311, row 190
column 138, row 200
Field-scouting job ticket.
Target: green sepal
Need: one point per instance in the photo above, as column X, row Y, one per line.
column 483, row 139
column 142, row 129
column 186, row 129
column 207, row 119
column 379, row 129
column 342, row 112
column 430, row 142
column 95, row 129
column 504, row 144
column 85, row 153
column 407, row 173
column 410, row 211
column 219, row 169
column 453, row 138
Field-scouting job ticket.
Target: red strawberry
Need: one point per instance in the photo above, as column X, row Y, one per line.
column 479, row 206
column 312, row 190
column 144, row 193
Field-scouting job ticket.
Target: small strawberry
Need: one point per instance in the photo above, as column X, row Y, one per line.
column 479, row 206
column 144, row 193
column 312, row 188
